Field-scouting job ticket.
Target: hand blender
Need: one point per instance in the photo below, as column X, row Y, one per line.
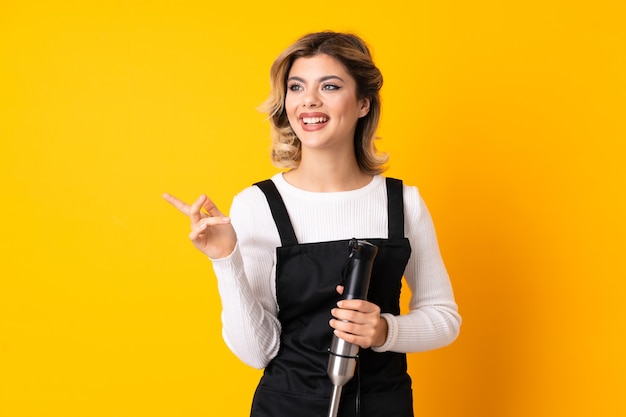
column 343, row 355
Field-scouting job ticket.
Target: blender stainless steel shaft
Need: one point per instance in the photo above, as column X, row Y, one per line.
column 343, row 355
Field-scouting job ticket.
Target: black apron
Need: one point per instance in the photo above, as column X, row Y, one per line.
column 295, row 383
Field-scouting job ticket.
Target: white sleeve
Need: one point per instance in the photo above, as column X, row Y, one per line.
column 246, row 283
column 433, row 320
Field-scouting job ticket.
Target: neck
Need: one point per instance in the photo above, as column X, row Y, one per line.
column 328, row 175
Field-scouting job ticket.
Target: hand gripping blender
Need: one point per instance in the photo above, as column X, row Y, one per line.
column 343, row 355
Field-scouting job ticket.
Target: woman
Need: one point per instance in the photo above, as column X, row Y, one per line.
column 278, row 258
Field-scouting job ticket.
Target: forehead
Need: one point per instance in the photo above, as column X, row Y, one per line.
column 317, row 66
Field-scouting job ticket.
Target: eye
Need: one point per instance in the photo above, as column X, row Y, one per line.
column 294, row 87
column 330, row 86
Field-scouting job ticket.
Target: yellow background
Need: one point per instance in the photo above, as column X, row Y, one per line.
column 509, row 116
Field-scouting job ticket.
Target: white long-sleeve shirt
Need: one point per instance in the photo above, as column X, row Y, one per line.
column 246, row 278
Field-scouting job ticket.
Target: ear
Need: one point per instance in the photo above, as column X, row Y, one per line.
column 364, row 108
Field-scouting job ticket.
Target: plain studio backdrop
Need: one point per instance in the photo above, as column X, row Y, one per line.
column 509, row 117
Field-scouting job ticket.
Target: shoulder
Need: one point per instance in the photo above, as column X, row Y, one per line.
column 251, row 215
column 249, row 204
column 410, row 192
column 253, row 196
column 413, row 202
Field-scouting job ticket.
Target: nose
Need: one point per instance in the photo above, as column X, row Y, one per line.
column 311, row 99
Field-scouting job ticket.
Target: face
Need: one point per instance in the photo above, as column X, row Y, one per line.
column 322, row 104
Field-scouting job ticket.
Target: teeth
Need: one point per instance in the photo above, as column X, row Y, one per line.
column 313, row 120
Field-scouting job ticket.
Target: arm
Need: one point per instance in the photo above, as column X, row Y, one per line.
column 246, row 282
column 244, row 266
column 433, row 320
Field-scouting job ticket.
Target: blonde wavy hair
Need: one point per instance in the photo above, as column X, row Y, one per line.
column 353, row 53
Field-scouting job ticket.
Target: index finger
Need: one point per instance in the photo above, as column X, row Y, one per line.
column 180, row 205
column 363, row 306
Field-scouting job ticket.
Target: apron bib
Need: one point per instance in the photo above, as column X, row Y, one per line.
column 295, row 383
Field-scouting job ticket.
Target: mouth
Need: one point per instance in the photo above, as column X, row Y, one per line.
column 314, row 120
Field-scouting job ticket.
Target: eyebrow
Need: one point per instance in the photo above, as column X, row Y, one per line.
column 322, row 79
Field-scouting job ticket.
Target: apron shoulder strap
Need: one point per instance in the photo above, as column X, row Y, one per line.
column 395, row 208
column 279, row 212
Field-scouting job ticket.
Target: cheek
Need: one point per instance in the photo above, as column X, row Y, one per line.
column 290, row 108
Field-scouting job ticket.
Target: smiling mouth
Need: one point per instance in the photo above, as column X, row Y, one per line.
column 314, row 120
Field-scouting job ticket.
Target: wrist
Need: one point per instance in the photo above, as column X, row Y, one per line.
column 392, row 333
column 381, row 332
column 220, row 255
